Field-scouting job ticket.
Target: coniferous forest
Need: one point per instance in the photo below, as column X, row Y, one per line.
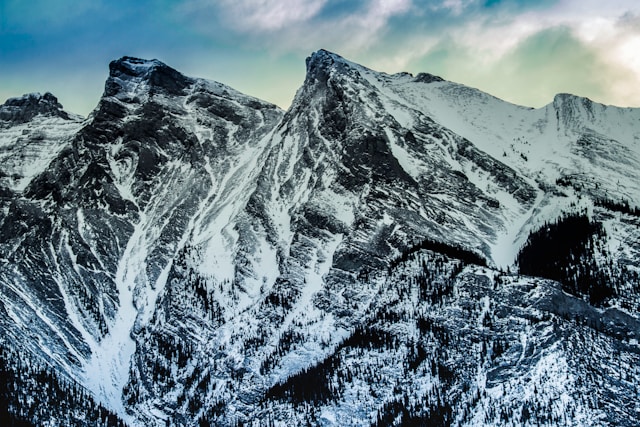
column 572, row 250
column 30, row 390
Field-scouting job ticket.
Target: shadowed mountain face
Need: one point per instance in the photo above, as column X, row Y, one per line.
column 26, row 108
column 190, row 255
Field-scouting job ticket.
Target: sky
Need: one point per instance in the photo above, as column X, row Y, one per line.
column 523, row 51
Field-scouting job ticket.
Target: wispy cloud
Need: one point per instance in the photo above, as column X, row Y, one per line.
column 299, row 25
column 493, row 37
column 362, row 29
column 455, row 6
column 609, row 32
column 269, row 15
column 522, row 50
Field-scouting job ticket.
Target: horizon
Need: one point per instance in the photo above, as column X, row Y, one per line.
column 522, row 51
column 284, row 107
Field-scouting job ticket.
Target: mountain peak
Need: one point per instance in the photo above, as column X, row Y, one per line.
column 321, row 63
column 135, row 67
column 568, row 98
column 573, row 109
column 127, row 74
column 322, row 55
column 428, row 78
column 207, row 259
column 24, row 108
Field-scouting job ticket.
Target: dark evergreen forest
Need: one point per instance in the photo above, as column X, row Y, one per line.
column 30, row 392
column 572, row 250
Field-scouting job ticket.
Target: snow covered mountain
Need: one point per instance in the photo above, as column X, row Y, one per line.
column 34, row 128
column 392, row 250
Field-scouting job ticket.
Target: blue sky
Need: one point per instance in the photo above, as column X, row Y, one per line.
column 519, row 50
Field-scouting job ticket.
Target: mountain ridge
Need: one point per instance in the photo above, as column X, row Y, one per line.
column 194, row 255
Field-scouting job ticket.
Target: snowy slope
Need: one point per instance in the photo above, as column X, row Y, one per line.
column 591, row 147
column 119, row 202
column 356, row 174
column 445, row 344
column 34, row 130
column 193, row 255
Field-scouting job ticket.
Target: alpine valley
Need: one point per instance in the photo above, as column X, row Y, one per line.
column 391, row 250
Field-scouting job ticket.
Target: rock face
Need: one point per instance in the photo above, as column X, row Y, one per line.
column 191, row 255
column 26, row 108
column 33, row 130
column 89, row 241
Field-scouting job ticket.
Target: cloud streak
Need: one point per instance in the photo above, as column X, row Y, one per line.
column 296, row 25
column 609, row 33
column 521, row 50
column 490, row 35
column 269, row 15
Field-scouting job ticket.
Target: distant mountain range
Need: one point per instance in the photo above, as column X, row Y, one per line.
column 391, row 250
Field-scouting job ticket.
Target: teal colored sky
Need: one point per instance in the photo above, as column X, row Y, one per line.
column 519, row 50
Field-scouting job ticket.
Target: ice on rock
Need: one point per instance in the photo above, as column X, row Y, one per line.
column 190, row 254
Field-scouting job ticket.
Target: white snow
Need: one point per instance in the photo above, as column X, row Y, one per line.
column 27, row 149
column 534, row 143
column 107, row 371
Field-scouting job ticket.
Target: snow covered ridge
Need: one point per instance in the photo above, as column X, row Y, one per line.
column 34, row 128
column 191, row 255
column 26, row 107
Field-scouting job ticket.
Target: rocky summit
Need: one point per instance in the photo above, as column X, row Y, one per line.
column 391, row 250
